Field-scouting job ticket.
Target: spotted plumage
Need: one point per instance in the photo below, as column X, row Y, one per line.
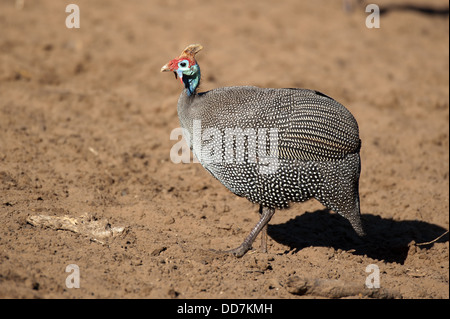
column 272, row 146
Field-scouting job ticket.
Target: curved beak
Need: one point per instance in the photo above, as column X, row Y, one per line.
column 178, row 73
column 166, row 67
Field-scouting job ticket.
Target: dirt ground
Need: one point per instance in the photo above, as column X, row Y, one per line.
column 85, row 124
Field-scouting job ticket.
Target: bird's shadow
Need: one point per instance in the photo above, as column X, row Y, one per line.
column 385, row 239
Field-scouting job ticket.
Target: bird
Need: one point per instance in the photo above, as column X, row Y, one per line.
column 273, row 146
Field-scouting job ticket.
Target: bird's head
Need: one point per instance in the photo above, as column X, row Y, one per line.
column 186, row 68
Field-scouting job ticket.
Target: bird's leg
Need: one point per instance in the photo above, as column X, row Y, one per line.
column 264, row 239
column 263, row 233
column 266, row 215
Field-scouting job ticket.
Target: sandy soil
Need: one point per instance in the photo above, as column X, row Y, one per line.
column 85, row 123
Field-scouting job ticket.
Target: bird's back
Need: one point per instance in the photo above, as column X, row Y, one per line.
column 310, row 125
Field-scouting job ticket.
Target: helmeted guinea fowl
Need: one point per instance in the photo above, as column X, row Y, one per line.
column 272, row 146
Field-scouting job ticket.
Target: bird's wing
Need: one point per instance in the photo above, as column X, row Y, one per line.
column 318, row 128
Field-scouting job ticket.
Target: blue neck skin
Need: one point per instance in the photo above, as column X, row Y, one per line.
column 191, row 79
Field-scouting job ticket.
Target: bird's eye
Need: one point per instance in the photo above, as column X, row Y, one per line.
column 183, row 64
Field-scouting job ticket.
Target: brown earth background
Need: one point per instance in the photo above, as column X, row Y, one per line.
column 85, row 123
